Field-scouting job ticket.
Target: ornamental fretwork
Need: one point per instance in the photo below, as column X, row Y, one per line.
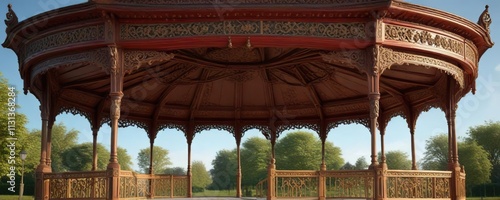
column 354, row 30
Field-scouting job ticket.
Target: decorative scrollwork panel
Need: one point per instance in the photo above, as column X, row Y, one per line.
column 293, row 187
column 349, row 187
column 58, row 188
column 418, row 184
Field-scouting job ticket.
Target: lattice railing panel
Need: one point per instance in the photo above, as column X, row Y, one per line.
column 80, row 187
column 100, row 187
column 349, row 187
column 58, row 188
column 77, row 185
column 295, row 184
column 128, row 187
column 180, row 186
column 143, row 187
column 162, row 186
column 418, row 184
column 349, row 184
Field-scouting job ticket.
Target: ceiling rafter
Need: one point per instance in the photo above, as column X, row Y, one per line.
column 313, row 96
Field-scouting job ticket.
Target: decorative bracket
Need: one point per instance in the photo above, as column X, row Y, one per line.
column 134, row 60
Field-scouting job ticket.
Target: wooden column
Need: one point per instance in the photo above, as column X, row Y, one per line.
column 152, row 137
column 238, row 135
column 383, row 160
column 373, row 74
column 189, row 138
column 374, row 97
column 116, row 94
column 454, row 165
column 94, row 148
column 413, row 153
column 271, row 172
column 49, row 141
column 322, row 179
column 41, row 188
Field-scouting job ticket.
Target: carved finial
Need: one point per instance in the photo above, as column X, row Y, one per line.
column 485, row 19
column 11, row 18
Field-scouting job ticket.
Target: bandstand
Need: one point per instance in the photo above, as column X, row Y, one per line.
column 249, row 64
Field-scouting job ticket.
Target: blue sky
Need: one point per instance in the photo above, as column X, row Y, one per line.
column 354, row 140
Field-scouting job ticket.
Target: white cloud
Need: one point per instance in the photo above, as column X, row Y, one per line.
column 497, row 68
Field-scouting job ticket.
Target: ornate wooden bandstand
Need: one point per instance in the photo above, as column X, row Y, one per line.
column 249, row 64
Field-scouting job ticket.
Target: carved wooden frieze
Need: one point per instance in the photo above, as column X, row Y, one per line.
column 422, row 37
column 200, row 128
column 59, row 39
column 354, row 30
column 102, row 58
column 470, row 53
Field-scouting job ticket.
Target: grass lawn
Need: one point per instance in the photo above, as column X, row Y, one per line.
column 15, row 197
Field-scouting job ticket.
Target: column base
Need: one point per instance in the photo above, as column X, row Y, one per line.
column 42, row 188
column 113, row 171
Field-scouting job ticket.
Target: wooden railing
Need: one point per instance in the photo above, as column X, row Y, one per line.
column 359, row 184
column 77, row 185
column 94, row 185
column 134, row 185
column 349, row 184
column 418, row 184
column 261, row 189
column 293, row 184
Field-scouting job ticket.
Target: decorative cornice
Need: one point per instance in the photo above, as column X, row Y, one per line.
column 59, row 39
column 353, row 30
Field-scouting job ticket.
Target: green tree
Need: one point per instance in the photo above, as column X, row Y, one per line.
column 124, row 159
column 14, row 121
column 62, row 140
column 476, row 163
column 175, row 171
column 224, row 170
column 470, row 154
column 436, row 153
column 397, row 160
column 487, row 136
column 347, row 166
column 201, row 177
column 302, row 151
column 255, row 154
column 361, row 163
column 160, row 159
column 79, row 157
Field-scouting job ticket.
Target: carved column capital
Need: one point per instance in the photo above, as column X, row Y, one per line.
column 115, row 105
